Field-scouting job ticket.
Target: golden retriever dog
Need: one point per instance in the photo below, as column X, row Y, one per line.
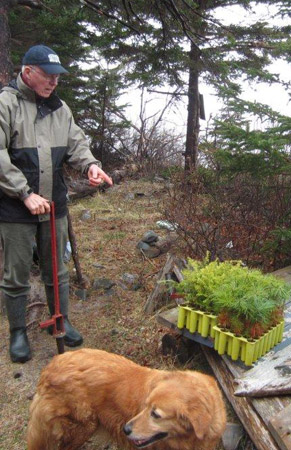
column 84, row 392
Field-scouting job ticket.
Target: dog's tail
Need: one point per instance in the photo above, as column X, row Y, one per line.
column 39, row 435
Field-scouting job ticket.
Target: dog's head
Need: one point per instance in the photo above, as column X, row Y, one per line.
column 176, row 409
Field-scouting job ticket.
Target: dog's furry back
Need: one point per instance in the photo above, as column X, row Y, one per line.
column 87, row 391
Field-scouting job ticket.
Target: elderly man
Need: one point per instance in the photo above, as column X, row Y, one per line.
column 37, row 136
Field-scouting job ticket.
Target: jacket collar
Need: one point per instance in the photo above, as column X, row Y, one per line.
column 47, row 105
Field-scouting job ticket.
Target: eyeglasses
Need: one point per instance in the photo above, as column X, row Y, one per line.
column 47, row 77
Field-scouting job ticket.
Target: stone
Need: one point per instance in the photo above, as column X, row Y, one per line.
column 81, row 293
column 143, row 246
column 232, row 436
column 167, row 225
column 86, row 214
column 152, row 252
column 103, row 283
column 149, row 237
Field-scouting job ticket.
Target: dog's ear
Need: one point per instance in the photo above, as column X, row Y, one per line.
column 197, row 420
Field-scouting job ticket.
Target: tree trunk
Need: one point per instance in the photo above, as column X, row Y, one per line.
column 191, row 152
column 6, row 68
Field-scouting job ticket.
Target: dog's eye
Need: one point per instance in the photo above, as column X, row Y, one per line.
column 155, row 415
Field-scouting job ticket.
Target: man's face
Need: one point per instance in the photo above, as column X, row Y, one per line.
column 42, row 83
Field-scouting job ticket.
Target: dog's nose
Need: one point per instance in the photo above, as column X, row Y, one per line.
column 127, row 429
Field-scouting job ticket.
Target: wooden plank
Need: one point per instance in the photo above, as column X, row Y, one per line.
column 280, row 426
column 252, row 422
column 268, row 407
column 272, row 376
column 155, row 296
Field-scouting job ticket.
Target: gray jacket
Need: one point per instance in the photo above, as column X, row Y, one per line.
column 37, row 136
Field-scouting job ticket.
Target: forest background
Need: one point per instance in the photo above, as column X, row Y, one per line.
column 231, row 192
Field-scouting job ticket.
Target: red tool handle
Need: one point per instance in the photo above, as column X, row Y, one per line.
column 55, row 259
column 57, row 320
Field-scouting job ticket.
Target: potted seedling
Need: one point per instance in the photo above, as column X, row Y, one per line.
column 241, row 308
column 250, row 314
column 200, row 279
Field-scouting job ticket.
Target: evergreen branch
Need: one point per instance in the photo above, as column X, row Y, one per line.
column 90, row 4
column 161, row 19
column 215, row 21
column 36, row 4
column 133, row 13
column 175, row 13
column 175, row 94
column 126, row 10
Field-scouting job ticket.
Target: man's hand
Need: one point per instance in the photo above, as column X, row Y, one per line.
column 37, row 204
column 96, row 176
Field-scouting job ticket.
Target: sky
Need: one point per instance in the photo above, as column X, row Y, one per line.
column 274, row 95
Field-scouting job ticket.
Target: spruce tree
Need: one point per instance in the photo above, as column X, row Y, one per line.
column 160, row 40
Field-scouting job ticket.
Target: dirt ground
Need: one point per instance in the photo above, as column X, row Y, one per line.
column 112, row 320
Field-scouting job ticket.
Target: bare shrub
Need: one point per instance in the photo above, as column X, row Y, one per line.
column 233, row 218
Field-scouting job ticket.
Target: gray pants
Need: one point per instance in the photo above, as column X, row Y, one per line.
column 17, row 242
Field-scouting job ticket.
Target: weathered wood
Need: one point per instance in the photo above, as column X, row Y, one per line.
column 254, row 425
column 271, row 377
column 280, row 426
column 177, row 272
column 267, row 407
column 154, row 298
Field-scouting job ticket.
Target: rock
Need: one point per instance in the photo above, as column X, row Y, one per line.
column 232, row 436
column 103, row 283
column 85, row 214
column 159, row 179
column 164, row 245
column 167, row 225
column 81, row 293
column 129, row 196
column 98, row 266
column 130, row 281
column 17, row 375
column 143, row 246
column 152, row 252
column 149, row 237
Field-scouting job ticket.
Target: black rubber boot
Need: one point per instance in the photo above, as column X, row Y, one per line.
column 72, row 337
column 19, row 345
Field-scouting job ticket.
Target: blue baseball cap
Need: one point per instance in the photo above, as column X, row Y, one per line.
column 45, row 58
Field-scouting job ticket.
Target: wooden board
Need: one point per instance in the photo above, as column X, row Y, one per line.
column 154, row 299
column 270, row 377
column 280, row 426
